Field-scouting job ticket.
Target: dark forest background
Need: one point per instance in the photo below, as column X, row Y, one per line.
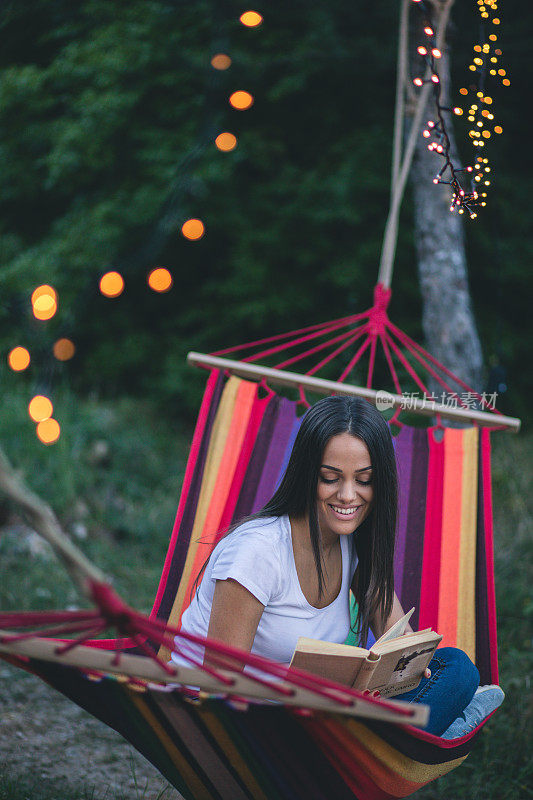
column 108, row 112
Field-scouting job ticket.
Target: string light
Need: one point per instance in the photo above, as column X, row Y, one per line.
column 241, row 100
column 48, row 431
column 193, row 229
column 221, row 61
column 18, row 359
column 251, row 19
column 44, row 302
column 160, row 280
column 112, row 284
column 226, row 142
column 485, row 60
column 64, row 349
column 40, row 408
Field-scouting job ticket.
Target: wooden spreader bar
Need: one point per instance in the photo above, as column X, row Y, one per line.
column 321, row 386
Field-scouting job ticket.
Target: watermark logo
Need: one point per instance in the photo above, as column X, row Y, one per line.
column 384, row 400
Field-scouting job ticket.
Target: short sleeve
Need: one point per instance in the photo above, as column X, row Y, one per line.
column 249, row 557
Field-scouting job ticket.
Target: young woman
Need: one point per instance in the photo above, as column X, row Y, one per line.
column 287, row 571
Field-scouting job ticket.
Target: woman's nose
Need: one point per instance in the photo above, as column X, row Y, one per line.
column 347, row 491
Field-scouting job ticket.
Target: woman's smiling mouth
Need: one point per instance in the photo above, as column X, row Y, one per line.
column 343, row 511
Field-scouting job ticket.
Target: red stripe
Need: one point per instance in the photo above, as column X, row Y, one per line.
column 256, row 417
column 429, row 589
column 189, row 471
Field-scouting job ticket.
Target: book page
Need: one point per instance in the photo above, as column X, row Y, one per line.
column 398, row 629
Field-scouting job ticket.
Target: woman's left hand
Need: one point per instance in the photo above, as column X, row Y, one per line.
column 427, row 672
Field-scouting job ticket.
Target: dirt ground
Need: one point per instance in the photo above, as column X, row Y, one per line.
column 47, row 741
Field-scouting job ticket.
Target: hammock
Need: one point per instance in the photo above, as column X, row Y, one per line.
column 319, row 740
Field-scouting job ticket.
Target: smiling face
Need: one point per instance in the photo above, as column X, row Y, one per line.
column 345, row 492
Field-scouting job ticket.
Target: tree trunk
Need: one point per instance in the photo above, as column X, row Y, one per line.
column 448, row 319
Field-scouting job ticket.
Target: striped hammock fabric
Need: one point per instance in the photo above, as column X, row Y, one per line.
column 214, row 749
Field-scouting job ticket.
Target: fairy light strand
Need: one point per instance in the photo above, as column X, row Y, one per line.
column 466, row 196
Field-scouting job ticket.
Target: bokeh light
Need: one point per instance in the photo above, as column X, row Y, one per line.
column 251, row 19
column 44, row 302
column 48, row 431
column 226, row 142
column 18, row 359
column 40, row 408
column 241, row 100
column 221, row 61
column 112, row 284
column 193, row 229
column 160, row 280
column 64, row 349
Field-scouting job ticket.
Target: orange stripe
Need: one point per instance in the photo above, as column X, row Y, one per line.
column 215, row 452
column 466, row 620
column 451, row 536
column 234, row 440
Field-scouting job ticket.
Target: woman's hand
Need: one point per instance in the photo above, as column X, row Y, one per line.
column 235, row 615
column 427, row 672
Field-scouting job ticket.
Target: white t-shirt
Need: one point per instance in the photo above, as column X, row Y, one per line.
column 259, row 555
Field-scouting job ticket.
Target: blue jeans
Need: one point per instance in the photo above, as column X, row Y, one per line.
column 454, row 679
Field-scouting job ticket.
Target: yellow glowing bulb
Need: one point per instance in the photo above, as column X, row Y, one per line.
column 43, row 291
column 502, row 72
column 458, row 111
column 495, row 21
column 241, row 100
column 193, row 229
column 506, row 82
column 64, row 349
column 472, row 67
column 486, row 134
column 40, row 408
column 478, row 61
column 477, row 48
column 48, row 431
column 492, row 72
column 226, row 142
column 112, row 284
column 18, row 359
column 436, row 53
column 160, row 279
column 221, row 61
column 251, row 19
column 488, row 100
column 498, row 129
column 493, row 37
column 479, row 94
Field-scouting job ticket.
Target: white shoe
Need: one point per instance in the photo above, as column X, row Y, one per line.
column 485, row 700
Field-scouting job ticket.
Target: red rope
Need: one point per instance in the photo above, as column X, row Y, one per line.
column 354, row 360
column 316, row 349
column 321, row 364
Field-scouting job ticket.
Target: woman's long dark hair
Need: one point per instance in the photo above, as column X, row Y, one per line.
column 297, row 496
column 375, row 537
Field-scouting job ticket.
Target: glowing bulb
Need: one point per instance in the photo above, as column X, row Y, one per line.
column 160, row 279
column 112, row 284
column 458, row 111
column 431, row 124
column 506, row 82
column 477, row 48
column 487, row 100
column 193, row 229
column 44, row 302
column 428, row 31
column 495, row 21
column 493, row 37
column 241, row 100
column 226, row 142
column 426, row 134
column 221, row 61
column 435, row 78
column 498, row 129
column 486, row 134
column 251, row 19
column 418, row 81
column 18, row 359
column 472, row 67
column 43, row 291
column 64, row 349
column 40, row 408
column 478, row 61
column 502, row 72
column 48, row 431
column 436, row 53
column 463, row 91
column 422, row 50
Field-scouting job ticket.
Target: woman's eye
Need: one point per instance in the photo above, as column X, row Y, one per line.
column 365, row 483
column 328, row 480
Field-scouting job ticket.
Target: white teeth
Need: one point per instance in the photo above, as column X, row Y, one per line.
column 345, row 511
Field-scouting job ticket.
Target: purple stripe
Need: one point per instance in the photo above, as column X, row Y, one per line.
column 274, row 458
column 288, row 450
column 403, row 443
column 483, row 659
column 416, row 521
column 257, row 460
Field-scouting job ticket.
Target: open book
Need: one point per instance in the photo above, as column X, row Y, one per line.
column 393, row 665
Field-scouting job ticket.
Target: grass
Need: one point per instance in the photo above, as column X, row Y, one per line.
column 122, row 499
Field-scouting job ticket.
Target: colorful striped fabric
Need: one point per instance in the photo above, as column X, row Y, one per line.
column 210, row 749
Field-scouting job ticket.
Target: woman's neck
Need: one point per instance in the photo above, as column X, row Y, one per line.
column 301, row 536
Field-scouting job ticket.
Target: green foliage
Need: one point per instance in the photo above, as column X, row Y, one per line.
column 108, row 112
